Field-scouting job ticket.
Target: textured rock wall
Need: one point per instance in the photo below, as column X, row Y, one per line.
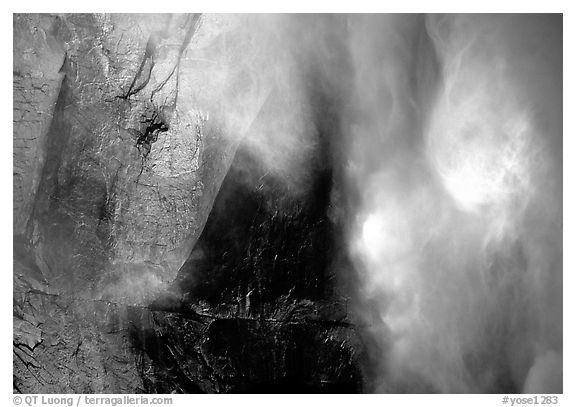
column 124, row 129
column 38, row 58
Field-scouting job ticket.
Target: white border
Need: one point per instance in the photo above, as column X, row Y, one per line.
column 302, row 6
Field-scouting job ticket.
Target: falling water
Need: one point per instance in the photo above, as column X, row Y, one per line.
column 457, row 235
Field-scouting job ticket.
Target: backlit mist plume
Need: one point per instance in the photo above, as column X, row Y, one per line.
column 458, row 232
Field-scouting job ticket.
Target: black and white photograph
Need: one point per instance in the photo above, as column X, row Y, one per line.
column 286, row 203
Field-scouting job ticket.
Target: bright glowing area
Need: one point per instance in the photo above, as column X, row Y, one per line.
column 373, row 234
column 385, row 235
column 480, row 158
column 475, row 179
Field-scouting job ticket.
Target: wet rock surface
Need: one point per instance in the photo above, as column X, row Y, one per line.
column 145, row 260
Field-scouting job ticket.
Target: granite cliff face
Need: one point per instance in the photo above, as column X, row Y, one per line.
column 145, row 258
